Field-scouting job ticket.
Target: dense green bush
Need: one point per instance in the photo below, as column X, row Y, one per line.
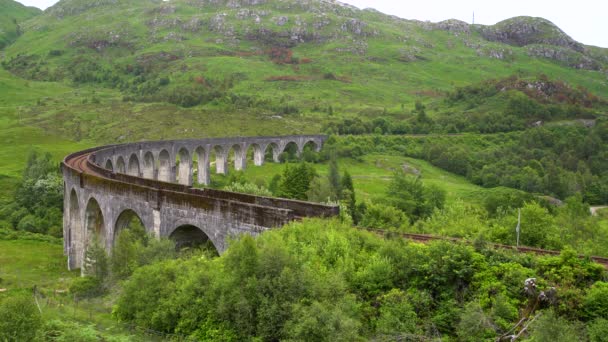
column 595, row 303
column 321, row 280
column 38, row 200
column 135, row 248
column 19, row 318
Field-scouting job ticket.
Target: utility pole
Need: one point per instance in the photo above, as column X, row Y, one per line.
column 473, row 17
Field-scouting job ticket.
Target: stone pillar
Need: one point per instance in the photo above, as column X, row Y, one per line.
column 185, row 172
column 240, row 160
column 203, row 170
column 258, row 155
column 221, row 162
column 172, row 175
column 318, row 145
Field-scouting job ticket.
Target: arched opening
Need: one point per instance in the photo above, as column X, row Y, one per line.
column 120, row 165
column 109, row 165
column 309, row 152
column 184, row 168
column 128, row 219
column 133, row 169
column 94, row 223
column 221, row 160
column 202, row 166
column 164, row 167
column 75, row 229
column 148, row 171
column 189, row 236
column 290, row 153
column 255, row 153
column 271, row 154
column 236, row 155
column 311, row 146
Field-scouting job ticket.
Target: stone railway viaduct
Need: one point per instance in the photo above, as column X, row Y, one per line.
column 107, row 187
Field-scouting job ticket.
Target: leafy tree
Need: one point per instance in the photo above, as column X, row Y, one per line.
column 537, row 227
column 320, row 190
column 598, row 330
column 323, row 321
column 334, row 178
column 295, row 181
column 346, row 182
column 384, row 217
column 474, row 324
column 38, row 199
column 96, row 263
column 396, row 316
column 273, row 186
column 550, row 327
column 409, row 195
column 595, row 303
column 135, row 248
column 349, row 197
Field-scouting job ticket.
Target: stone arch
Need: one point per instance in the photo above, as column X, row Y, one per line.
column 312, row 145
column 74, row 233
column 94, row 224
column 238, row 154
column 272, row 152
column 124, row 220
column 308, row 151
column 109, row 165
column 202, row 165
column 221, row 159
column 133, row 169
column 188, row 235
column 149, row 165
column 291, row 151
column 184, row 170
column 164, row 166
column 120, row 165
column 257, row 153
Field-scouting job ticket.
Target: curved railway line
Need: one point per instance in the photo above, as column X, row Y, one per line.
column 424, row 238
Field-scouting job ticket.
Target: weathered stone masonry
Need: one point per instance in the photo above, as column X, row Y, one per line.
column 105, row 187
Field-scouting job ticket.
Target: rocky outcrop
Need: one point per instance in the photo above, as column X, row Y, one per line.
column 564, row 56
column 67, row 8
column 454, row 26
column 522, row 31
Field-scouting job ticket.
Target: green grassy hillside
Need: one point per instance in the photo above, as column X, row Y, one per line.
column 12, row 14
column 20, row 138
column 275, row 56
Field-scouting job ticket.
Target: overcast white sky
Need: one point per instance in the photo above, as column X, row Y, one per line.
column 584, row 20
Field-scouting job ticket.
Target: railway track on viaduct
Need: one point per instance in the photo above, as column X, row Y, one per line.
column 425, row 238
